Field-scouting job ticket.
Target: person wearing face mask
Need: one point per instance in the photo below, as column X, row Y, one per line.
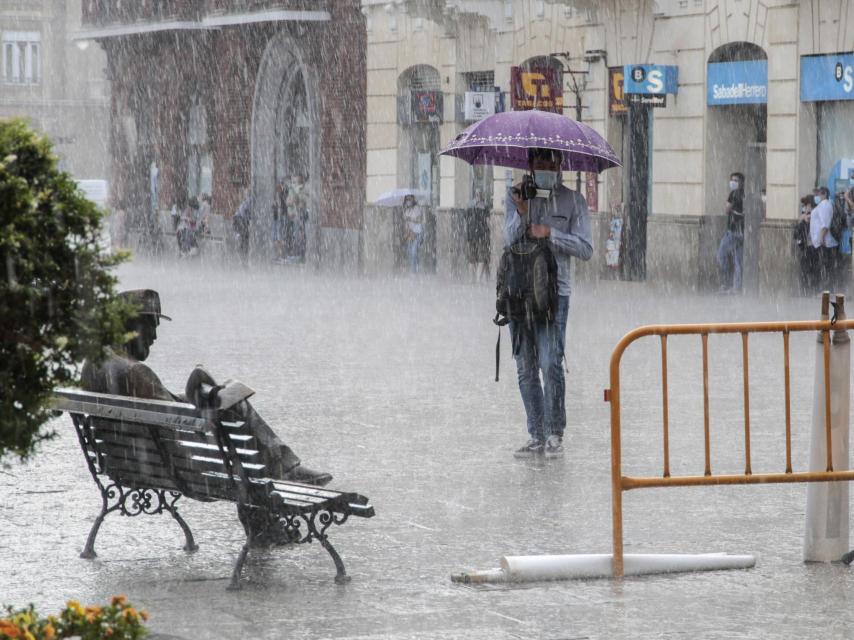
column 561, row 218
column 822, row 239
column 731, row 249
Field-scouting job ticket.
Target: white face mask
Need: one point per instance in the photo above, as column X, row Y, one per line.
column 545, row 179
column 733, row 185
column 763, row 197
column 816, row 199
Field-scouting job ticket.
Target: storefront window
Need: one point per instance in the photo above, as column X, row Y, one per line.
column 835, row 142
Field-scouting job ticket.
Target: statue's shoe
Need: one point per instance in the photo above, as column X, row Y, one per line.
column 304, row 475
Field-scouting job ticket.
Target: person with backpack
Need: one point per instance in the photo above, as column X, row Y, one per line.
column 822, row 239
column 545, row 225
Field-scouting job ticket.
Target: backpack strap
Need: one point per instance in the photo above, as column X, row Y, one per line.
column 498, row 320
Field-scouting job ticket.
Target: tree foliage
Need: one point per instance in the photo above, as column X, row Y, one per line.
column 58, row 302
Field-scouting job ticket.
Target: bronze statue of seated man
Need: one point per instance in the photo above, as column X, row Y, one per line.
column 123, row 373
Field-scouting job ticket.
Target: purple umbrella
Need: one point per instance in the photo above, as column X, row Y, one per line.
column 504, row 139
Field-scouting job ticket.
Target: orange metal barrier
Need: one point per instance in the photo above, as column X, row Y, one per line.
column 621, row 483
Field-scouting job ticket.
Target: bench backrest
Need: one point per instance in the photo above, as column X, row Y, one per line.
column 173, row 446
column 161, row 445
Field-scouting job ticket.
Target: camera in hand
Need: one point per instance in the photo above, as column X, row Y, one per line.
column 528, row 190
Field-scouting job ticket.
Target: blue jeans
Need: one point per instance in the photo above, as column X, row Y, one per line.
column 412, row 248
column 730, row 260
column 540, row 348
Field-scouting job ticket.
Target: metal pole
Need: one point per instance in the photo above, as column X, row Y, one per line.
column 577, row 119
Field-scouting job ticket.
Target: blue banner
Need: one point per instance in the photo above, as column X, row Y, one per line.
column 743, row 82
column 650, row 79
column 829, row 77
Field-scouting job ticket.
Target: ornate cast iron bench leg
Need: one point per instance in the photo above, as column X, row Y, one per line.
column 325, row 519
column 341, row 576
column 111, row 492
column 89, row 550
column 234, row 585
column 188, row 535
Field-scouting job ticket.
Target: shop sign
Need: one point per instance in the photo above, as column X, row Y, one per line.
column 657, row 102
column 536, row 88
column 616, row 98
column 479, row 104
column 742, row 82
column 426, row 106
column 651, row 79
column 827, row 77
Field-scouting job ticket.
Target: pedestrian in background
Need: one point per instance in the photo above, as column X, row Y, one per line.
column 188, row 229
column 413, row 229
column 731, row 249
column 297, row 216
column 807, row 254
column 241, row 223
column 821, row 238
column 205, row 213
column 280, row 214
column 477, row 235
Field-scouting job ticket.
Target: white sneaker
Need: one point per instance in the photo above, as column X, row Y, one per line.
column 554, row 447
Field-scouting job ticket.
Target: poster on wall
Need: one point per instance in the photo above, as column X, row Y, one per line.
column 536, row 88
column 479, row 104
column 616, row 97
column 427, row 106
column 592, row 191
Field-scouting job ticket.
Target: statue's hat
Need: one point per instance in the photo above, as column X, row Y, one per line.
column 146, row 300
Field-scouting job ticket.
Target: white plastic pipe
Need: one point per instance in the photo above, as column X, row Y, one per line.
column 536, row 568
column 598, row 565
column 826, row 537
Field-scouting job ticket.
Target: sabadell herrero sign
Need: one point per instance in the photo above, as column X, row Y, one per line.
column 740, row 82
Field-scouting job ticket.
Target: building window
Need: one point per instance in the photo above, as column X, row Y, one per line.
column 21, row 57
column 480, row 80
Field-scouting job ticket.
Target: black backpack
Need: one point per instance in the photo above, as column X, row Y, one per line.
column 527, row 289
column 839, row 220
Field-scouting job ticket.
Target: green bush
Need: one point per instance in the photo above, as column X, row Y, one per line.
column 57, row 296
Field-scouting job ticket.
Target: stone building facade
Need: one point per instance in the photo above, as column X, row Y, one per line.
column 225, row 96
column 57, row 86
column 744, row 101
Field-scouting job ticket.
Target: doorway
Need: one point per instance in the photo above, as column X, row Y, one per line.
column 736, row 136
column 285, row 139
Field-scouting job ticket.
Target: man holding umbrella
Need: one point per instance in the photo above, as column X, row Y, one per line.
column 563, row 219
column 543, row 144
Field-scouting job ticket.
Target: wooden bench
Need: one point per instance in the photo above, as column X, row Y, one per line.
column 145, row 454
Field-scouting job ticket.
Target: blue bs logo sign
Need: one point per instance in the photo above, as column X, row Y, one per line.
column 827, row 77
column 650, row 79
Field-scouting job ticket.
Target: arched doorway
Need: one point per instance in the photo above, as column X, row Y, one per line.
column 285, row 138
column 736, row 135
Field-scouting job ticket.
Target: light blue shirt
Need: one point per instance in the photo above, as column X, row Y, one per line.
column 565, row 211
